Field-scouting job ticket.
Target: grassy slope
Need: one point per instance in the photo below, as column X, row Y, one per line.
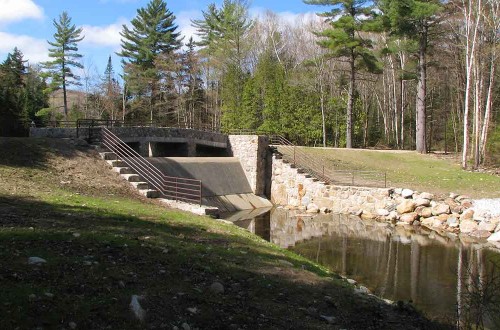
column 103, row 243
column 412, row 170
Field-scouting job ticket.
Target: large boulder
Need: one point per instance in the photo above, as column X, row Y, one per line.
column 466, row 203
column 408, row 217
column 440, row 209
column 382, row 212
column 486, row 225
column 468, row 226
column 467, row 215
column 426, row 212
column 428, row 222
column 480, row 234
column 422, row 202
column 452, row 222
column 366, row 215
column 407, row 193
column 406, row 206
column 426, row 195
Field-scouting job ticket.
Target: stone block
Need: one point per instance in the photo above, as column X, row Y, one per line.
column 426, row 195
column 422, row 202
column 482, row 234
column 441, row 209
column 467, row 215
column 486, row 225
column 407, row 193
column 382, row 212
column 468, row 226
column 408, row 217
column 406, row 206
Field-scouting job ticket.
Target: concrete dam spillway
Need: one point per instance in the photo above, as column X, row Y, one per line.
column 225, row 184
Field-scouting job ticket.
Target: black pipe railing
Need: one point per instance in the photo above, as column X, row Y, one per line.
column 315, row 166
column 177, row 188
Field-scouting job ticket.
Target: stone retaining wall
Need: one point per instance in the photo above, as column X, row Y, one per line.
column 53, row 132
column 253, row 153
column 453, row 215
column 291, row 188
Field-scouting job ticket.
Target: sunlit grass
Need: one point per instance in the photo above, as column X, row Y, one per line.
column 412, row 170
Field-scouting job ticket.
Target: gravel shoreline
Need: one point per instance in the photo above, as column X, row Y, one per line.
column 489, row 206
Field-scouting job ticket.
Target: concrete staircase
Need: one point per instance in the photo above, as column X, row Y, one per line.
column 129, row 174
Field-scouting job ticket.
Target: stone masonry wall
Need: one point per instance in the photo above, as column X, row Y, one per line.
column 53, row 132
column 252, row 151
column 454, row 215
column 294, row 189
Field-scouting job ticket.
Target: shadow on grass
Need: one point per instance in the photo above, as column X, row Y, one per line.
column 97, row 258
column 32, row 152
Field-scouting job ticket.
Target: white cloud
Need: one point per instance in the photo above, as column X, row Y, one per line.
column 34, row 50
column 108, row 36
column 183, row 20
column 17, row 10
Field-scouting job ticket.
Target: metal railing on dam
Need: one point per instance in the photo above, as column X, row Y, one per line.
column 177, row 188
column 316, row 166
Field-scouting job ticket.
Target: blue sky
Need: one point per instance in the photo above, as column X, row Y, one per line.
column 28, row 25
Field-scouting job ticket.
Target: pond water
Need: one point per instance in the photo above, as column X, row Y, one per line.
column 394, row 263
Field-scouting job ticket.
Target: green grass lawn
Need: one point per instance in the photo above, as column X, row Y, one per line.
column 406, row 169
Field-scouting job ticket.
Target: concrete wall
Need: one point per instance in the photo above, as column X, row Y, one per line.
column 253, row 153
column 152, row 138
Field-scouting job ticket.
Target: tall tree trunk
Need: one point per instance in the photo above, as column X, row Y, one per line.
column 350, row 101
column 470, row 39
column 402, row 114
column 323, row 120
column 420, row 123
column 394, row 102
column 477, row 113
column 487, row 113
column 65, row 99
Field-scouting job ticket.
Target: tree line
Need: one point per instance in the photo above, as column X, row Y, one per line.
column 403, row 74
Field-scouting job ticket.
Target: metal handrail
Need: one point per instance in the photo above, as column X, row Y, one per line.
column 318, row 170
column 178, row 188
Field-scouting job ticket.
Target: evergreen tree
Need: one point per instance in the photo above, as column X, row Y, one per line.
column 415, row 19
column 111, row 89
column 12, row 72
column 251, row 114
column 34, row 96
column 154, row 33
column 348, row 20
column 271, row 80
column 65, row 55
column 223, row 35
column 109, row 72
column 192, row 83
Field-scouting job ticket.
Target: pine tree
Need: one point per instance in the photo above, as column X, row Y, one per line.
column 111, row 90
column 154, row 33
column 65, row 55
column 192, row 83
column 415, row 19
column 349, row 19
column 12, row 72
column 223, row 33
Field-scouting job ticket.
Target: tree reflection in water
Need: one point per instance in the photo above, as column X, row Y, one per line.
column 439, row 275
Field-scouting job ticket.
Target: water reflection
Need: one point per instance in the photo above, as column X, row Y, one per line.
column 430, row 270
